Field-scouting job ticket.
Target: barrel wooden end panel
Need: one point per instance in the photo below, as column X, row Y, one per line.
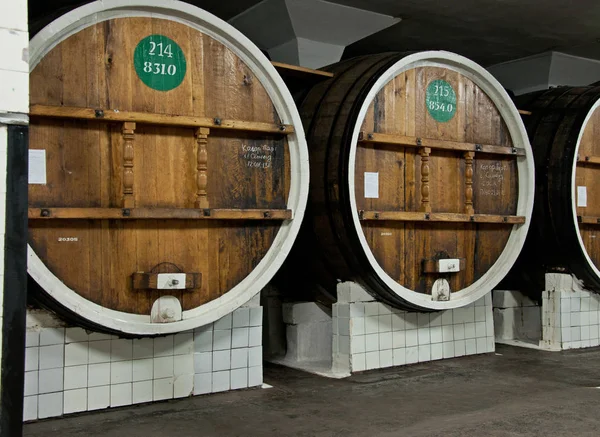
column 564, row 127
column 167, row 159
column 421, row 172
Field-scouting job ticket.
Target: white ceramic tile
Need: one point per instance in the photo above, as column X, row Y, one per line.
column 412, row 355
column 448, row 349
column 255, row 376
column 98, row 374
column 183, row 365
column 239, row 358
column 224, row 322
column 585, row 304
column 470, row 346
column 239, row 378
column 399, row 356
column 221, row 381
column 99, row 351
column 51, row 357
column 183, row 386
column 423, row 336
column 76, row 353
column 221, row 360
column 437, row 351
column 120, row 394
column 31, row 383
column 435, row 319
column 50, row 336
column 31, row 358
column 98, row 397
column 424, row 353
column 482, row 345
column 75, row 401
column 30, row 406
column 163, row 346
column 371, row 342
column 575, row 304
column 343, row 311
column 372, row 360
column 385, row 323
column 459, row 348
column 469, row 314
column 142, row 392
column 203, row 341
column 371, row 325
column 385, row 341
column 447, row 318
column 357, row 310
column 255, row 356
column 50, row 405
column 357, row 326
column 357, row 344
column 412, row 338
column 143, row 369
column 239, row 337
column 480, row 314
column 202, row 383
column 469, row 330
column 585, row 318
column 459, row 331
column 222, row 340
column 203, row 362
column 241, row 318
column 97, row 336
column 398, row 323
column 422, row 320
column 386, row 358
column 163, row 367
column 255, row 335
column 162, row 389
column 371, row 309
column 398, row 339
column 121, row 372
column 76, row 377
column 256, row 316
column 341, row 326
column 74, row 335
column 435, row 334
column 121, row 350
column 32, row 338
column 359, row 362
column 50, row 380
column 183, row 343
column 143, row 348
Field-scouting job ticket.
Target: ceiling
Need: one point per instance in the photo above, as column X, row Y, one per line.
column 487, row 31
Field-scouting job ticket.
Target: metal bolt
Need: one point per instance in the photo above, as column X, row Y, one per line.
column 478, row 147
column 282, row 128
column 99, row 113
column 217, row 121
column 376, row 216
column 370, row 136
column 206, row 212
column 267, row 214
column 175, row 282
column 45, row 213
column 126, row 212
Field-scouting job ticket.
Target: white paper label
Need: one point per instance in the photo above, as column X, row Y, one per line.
column 371, row 185
column 171, row 281
column 581, row 197
column 449, row 265
column 37, row 167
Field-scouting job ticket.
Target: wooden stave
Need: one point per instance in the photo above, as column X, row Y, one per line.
column 70, row 24
column 552, row 244
column 354, row 264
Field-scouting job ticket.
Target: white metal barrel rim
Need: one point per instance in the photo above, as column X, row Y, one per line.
column 206, row 23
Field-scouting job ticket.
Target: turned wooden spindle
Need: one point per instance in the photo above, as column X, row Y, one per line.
column 425, row 152
column 128, row 137
column 469, row 182
column 201, row 177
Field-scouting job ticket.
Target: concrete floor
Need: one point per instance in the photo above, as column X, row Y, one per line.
column 515, row 392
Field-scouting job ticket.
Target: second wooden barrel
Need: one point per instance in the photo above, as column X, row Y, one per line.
column 421, row 180
column 564, row 129
column 168, row 167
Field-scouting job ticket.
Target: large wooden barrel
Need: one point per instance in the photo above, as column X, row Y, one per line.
column 564, row 129
column 168, row 167
column 421, row 180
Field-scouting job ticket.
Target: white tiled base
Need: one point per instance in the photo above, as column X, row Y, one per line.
column 69, row 370
column 371, row 335
column 570, row 315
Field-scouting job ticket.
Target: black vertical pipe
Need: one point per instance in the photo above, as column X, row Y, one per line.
column 12, row 364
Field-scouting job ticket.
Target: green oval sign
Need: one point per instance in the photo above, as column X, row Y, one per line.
column 441, row 100
column 159, row 62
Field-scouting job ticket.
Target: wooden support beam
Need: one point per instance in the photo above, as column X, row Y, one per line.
column 201, row 176
column 158, row 213
column 588, row 220
column 128, row 154
column 407, row 141
column 425, row 205
column 296, row 70
column 523, row 112
column 469, row 183
column 114, row 115
column 591, row 160
column 406, row 216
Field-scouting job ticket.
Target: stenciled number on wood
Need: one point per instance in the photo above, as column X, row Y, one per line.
column 67, row 239
column 440, row 100
column 159, row 62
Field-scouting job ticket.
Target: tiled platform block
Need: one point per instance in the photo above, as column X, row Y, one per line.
column 70, row 370
column 371, row 335
column 569, row 316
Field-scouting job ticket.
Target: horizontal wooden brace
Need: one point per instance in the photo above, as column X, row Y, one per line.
column 149, row 281
column 593, row 160
column 296, row 70
column 524, row 112
column 407, row 141
column 114, row 115
column 588, row 220
column 159, row 213
column 440, row 217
